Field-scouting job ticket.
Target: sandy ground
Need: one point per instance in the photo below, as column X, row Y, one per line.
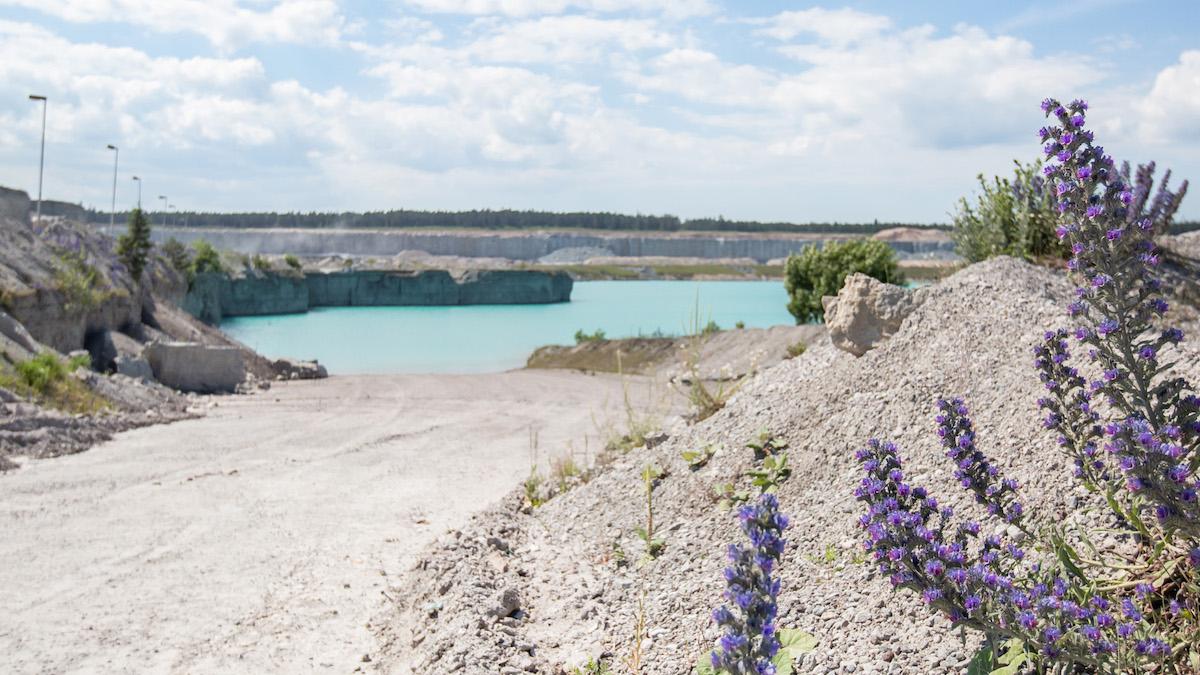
column 260, row 538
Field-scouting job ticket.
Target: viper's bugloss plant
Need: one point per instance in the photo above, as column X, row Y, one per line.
column 1133, row 433
column 749, row 643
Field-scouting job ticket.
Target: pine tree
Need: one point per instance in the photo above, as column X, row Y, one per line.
column 134, row 246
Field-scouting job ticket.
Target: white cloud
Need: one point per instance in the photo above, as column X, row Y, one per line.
column 521, row 8
column 564, row 39
column 839, row 26
column 1171, row 111
column 227, row 24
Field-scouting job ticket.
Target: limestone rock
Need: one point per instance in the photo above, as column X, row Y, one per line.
column 193, row 367
column 134, row 366
column 15, row 332
column 866, row 312
column 294, row 369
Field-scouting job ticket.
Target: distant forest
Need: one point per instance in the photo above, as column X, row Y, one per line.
column 499, row 220
column 517, row 220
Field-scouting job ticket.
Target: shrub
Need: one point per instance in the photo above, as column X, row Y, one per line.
column 1114, row 608
column 582, row 337
column 177, row 255
column 47, row 378
column 205, row 258
column 260, row 263
column 796, row 349
column 1014, row 217
column 77, row 281
column 292, row 262
column 133, row 247
column 817, row 272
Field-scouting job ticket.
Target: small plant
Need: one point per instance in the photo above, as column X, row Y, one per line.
column 654, row 544
column 133, row 247
column 566, row 473
column 771, row 474
column 634, row 660
column 706, row 400
column 728, row 496
column 533, row 488
column 260, row 263
column 751, row 643
column 710, row 328
column 766, row 444
column 78, row 282
column 205, row 258
column 696, row 459
column 796, row 349
column 292, row 262
column 582, row 337
column 740, row 325
column 817, row 272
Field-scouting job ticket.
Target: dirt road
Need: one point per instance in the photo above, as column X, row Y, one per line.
column 260, row 538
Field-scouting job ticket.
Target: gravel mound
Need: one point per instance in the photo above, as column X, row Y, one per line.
column 544, row 591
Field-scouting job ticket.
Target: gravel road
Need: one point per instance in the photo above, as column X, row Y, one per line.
column 260, row 538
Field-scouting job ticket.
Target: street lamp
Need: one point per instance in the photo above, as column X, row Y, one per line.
column 172, row 207
column 163, row 222
column 42, row 158
column 112, row 216
column 139, row 182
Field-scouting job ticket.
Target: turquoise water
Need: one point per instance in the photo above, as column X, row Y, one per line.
column 490, row 338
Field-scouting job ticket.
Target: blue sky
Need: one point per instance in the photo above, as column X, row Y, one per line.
column 751, row 110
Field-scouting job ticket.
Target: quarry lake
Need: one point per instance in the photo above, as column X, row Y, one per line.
column 490, row 338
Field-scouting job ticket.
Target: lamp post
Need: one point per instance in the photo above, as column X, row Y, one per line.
column 42, row 158
column 139, row 182
column 112, row 216
column 163, row 220
column 172, row 207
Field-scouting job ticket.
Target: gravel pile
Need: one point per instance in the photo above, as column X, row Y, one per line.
column 543, row 590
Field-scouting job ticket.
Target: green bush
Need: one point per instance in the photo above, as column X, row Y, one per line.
column 796, row 349
column 582, row 337
column 134, row 246
column 205, row 258
column 817, row 272
column 292, row 261
column 177, row 255
column 78, row 282
column 710, row 328
column 261, row 264
column 1014, row 217
column 45, row 370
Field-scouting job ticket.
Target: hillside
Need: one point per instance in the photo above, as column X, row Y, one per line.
column 545, row 589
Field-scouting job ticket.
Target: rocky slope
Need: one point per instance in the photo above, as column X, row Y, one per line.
column 543, row 590
column 63, row 290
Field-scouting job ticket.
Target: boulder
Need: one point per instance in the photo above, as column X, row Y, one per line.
column 293, row 369
column 866, row 312
column 134, row 366
column 193, row 367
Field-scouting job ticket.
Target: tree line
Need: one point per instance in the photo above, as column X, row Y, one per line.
column 501, row 220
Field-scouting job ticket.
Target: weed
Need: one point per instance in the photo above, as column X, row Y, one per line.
column 592, row 667
column 766, row 444
column 77, row 281
column 654, row 544
column 705, row 400
column 595, row 336
column 696, row 459
column 728, row 496
column 740, row 325
column 292, row 262
column 771, row 474
column 260, row 263
column 796, row 349
column 634, row 660
column 47, row 379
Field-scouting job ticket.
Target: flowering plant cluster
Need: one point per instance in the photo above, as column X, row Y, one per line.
column 1133, row 433
column 751, row 642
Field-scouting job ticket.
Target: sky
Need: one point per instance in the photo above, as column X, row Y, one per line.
column 756, row 110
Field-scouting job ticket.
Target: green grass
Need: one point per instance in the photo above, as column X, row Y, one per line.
column 47, row 379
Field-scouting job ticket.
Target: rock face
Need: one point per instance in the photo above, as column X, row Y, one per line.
column 866, row 312
column 518, row 245
column 193, row 367
column 215, row 296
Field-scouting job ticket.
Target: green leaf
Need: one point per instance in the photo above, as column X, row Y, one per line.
column 982, row 663
column 704, row 665
column 793, row 644
column 1067, row 556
